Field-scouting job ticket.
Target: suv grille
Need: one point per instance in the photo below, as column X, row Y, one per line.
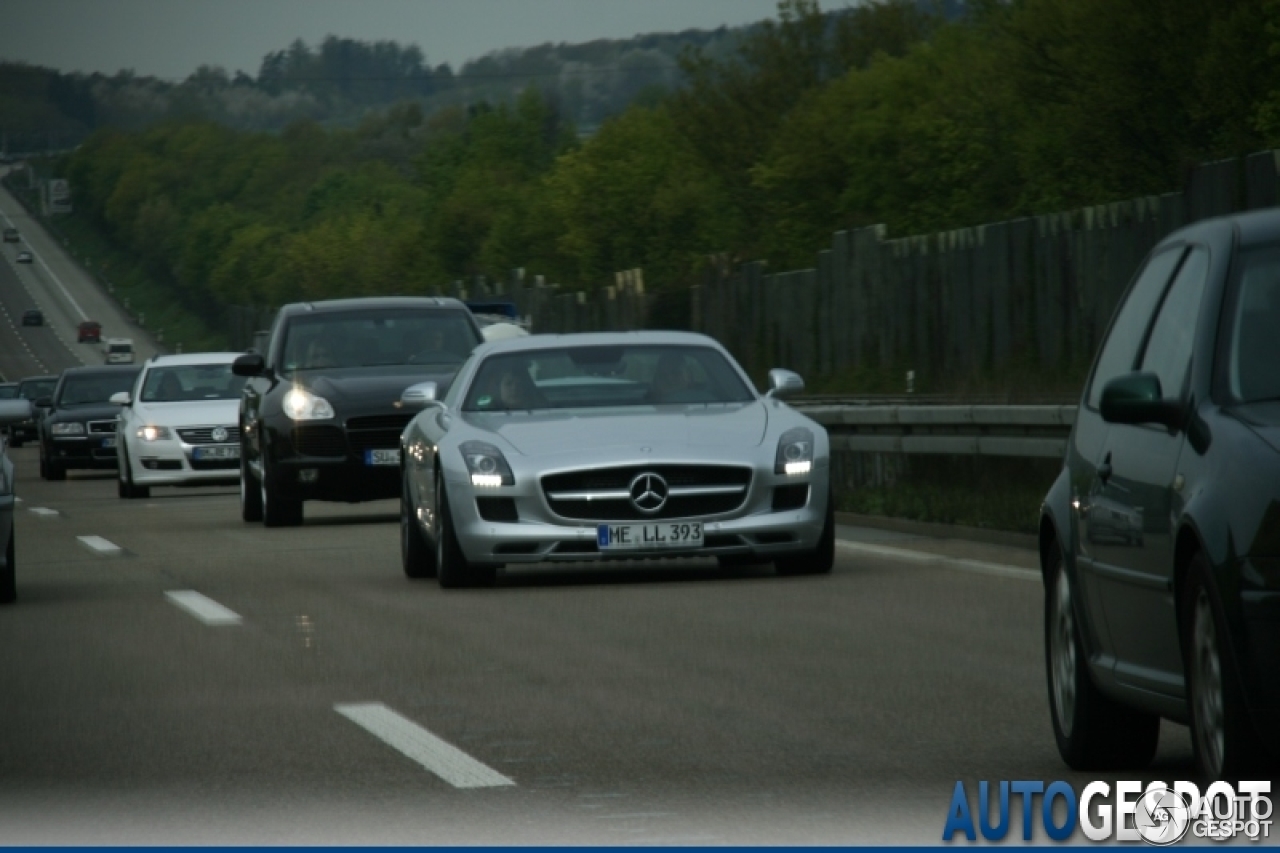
column 696, row 491
column 319, row 441
column 101, row 427
column 376, row 432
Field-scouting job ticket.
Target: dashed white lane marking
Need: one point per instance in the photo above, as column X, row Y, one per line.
column 100, row 546
column 443, row 759
column 925, row 558
column 43, row 512
column 203, row 608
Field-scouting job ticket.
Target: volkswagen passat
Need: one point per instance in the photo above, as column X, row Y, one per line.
column 1160, row 540
column 606, row 446
column 178, row 426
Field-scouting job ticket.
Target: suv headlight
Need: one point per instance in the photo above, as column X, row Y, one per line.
column 154, row 433
column 795, row 452
column 301, row 405
column 486, row 465
column 66, row 429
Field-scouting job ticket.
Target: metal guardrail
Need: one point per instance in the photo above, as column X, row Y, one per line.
column 1029, row 431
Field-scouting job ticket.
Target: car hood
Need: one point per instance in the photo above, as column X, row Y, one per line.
column 1263, row 419
column 578, row 431
column 371, row 386
column 189, row 413
column 87, row 412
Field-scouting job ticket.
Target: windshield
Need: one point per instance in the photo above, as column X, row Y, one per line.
column 381, row 337
column 36, row 390
column 191, row 382
column 1253, row 349
column 597, row 376
column 90, row 390
column 120, row 348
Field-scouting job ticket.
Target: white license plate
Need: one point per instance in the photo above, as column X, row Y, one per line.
column 108, row 442
column 382, row 457
column 230, row 451
column 667, row 534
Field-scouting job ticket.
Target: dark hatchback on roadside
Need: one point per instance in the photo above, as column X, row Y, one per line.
column 79, row 430
column 37, row 389
column 1160, row 540
column 320, row 415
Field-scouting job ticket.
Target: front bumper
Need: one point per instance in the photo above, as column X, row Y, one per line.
column 93, row 451
column 762, row 527
column 349, row 463
column 174, row 462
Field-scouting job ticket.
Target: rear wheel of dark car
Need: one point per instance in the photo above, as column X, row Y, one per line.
column 1223, row 739
column 820, row 560
column 277, row 510
column 1093, row 731
column 51, row 470
column 452, row 568
column 418, row 560
column 250, row 494
column 9, row 574
column 15, row 441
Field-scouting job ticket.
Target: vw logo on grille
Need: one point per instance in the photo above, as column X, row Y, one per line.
column 648, row 492
column 219, row 434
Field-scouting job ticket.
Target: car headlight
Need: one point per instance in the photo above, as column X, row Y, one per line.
column 795, row 452
column 301, row 405
column 154, row 433
column 486, row 465
column 66, row 429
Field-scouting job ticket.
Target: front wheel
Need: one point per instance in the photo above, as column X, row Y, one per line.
column 250, row 495
column 125, row 487
column 277, row 511
column 9, row 574
column 452, row 568
column 1222, row 735
column 418, row 560
column 821, row 559
column 1093, row 732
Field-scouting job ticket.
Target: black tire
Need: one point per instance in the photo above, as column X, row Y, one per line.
column 250, row 494
column 54, row 471
column 1093, row 731
column 821, row 559
column 418, row 560
column 9, row 574
column 452, row 569
column 125, row 486
column 1225, row 743
column 276, row 510
column 15, row 442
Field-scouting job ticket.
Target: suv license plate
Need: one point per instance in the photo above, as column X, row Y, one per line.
column 670, row 534
column 108, row 442
column 382, row 457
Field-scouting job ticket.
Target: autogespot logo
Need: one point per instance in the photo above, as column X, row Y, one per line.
column 1158, row 814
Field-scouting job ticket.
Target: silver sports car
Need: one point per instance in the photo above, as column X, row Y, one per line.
column 607, row 446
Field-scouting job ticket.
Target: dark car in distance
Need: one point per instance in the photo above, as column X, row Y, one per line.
column 35, row 389
column 33, row 317
column 79, row 430
column 320, row 415
column 1160, row 539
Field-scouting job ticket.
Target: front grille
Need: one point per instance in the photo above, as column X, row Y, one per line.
column 319, row 441
column 101, row 427
column 376, row 432
column 204, row 435
column 600, row 494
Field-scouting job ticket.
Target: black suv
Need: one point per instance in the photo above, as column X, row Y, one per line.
column 80, row 429
column 320, row 416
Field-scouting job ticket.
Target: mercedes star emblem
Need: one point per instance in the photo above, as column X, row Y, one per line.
column 648, row 492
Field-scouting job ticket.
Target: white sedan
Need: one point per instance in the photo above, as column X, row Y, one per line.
column 179, row 424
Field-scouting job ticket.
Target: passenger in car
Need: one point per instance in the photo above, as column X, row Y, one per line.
column 517, row 391
column 672, row 382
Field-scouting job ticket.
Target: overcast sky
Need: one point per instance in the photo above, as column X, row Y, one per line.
column 171, row 38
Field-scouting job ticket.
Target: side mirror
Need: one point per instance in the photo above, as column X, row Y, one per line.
column 783, row 383
column 44, row 402
column 121, row 398
column 14, row 411
column 419, row 396
column 249, row 364
column 1137, row 398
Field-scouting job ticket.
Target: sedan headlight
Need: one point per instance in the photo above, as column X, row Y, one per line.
column 66, row 429
column 154, row 433
column 486, row 465
column 795, row 452
column 301, row 405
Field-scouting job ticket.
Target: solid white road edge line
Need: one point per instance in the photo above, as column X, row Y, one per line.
column 203, row 608
column 98, row 545
column 443, row 759
column 925, row 558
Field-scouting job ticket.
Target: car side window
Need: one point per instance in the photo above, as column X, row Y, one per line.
column 1168, row 352
column 1120, row 350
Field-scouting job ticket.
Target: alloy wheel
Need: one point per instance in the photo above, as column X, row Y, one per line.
column 1206, row 685
column 1063, row 653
